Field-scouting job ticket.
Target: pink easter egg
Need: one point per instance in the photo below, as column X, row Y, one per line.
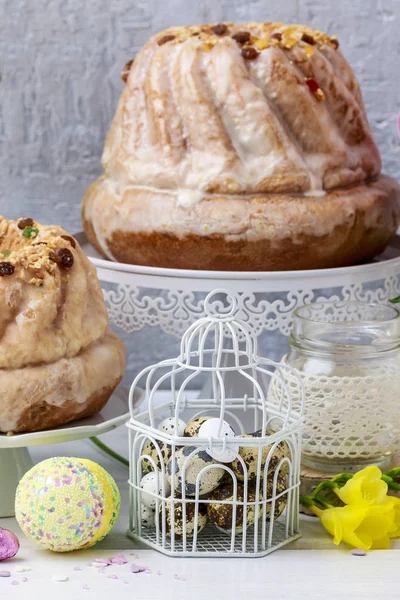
column 9, row 544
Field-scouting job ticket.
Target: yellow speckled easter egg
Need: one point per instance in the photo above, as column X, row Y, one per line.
column 67, row 504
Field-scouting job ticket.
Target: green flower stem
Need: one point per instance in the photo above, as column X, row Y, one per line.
column 324, row 485
column 342, row 478
column 310, row 501
column 389, row 477
column 108, row 451
column 332, row 484
column 395, row 300
column 392, row 485
column 338, row 481
column 392, row 478
column 322, row 501
column 306, row 501
column 393, row 473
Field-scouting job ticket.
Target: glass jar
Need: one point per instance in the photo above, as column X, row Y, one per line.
column 348, row 354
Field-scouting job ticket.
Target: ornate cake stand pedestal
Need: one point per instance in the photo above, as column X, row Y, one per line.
column 15, row 459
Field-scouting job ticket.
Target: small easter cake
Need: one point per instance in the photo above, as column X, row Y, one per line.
column 58, row 360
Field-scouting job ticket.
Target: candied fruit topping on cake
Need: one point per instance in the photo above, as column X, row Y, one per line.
column 6, row 268
column 334, row 42
column 241, row 37
column 262, row 44
column 308, row 39
column 250, row 53
column 314, row 87
column 262, row 35
column 32, row 250
column 220, row 29
column 126, row 69
column 63, row 257
column 27, row 222
column 165, row 39
column 258, row 35
column 70, row 239
column 30, row 232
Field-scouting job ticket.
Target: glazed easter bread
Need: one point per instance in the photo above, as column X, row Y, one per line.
column 241, row 147
column 58, row 361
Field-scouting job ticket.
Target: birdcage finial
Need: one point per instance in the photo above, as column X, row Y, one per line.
column 212, row 305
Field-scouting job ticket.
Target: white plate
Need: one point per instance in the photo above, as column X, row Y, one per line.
column 114, row 414
column 390, row 257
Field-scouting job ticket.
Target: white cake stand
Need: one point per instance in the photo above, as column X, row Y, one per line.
column 172, row 299
column 15, row 459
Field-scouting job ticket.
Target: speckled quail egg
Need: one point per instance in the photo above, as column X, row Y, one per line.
column 150, row 450
column 152, row 487
column 250, row 456
column 147, row 516
column 221, row 515
column 192, row 428
column 280, row 503
column 174, row 513
column 168, row 426
column 210, row 428
column 194, row 465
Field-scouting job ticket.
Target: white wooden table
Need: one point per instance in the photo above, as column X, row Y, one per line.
column 309, row 568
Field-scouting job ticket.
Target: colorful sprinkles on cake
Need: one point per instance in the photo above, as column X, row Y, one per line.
column 66, row 504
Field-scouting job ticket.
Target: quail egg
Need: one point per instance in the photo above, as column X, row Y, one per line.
column 147, row 516
column 168, row 426
column 249, row 455
column 150, row 450
column 174, row 514
column 192, row 428
column 194, row 465
column 152, row 487
column 210, row 428
column 280, row 503
column 221, row 515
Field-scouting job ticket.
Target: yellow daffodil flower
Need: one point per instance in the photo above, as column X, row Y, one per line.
column 366, row 486
column 395, row 531
column 369, row 519
column 360, row 526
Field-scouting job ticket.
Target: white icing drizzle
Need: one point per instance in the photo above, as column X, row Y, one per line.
column 191, row 119
column 277, row 217
column 315, row 193
column 187, row 198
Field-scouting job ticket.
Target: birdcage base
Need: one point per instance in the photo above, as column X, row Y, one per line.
column 212, row 542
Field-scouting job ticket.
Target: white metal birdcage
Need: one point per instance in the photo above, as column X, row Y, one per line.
column 205, row 489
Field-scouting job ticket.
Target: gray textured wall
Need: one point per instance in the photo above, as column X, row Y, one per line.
column 60, row 65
